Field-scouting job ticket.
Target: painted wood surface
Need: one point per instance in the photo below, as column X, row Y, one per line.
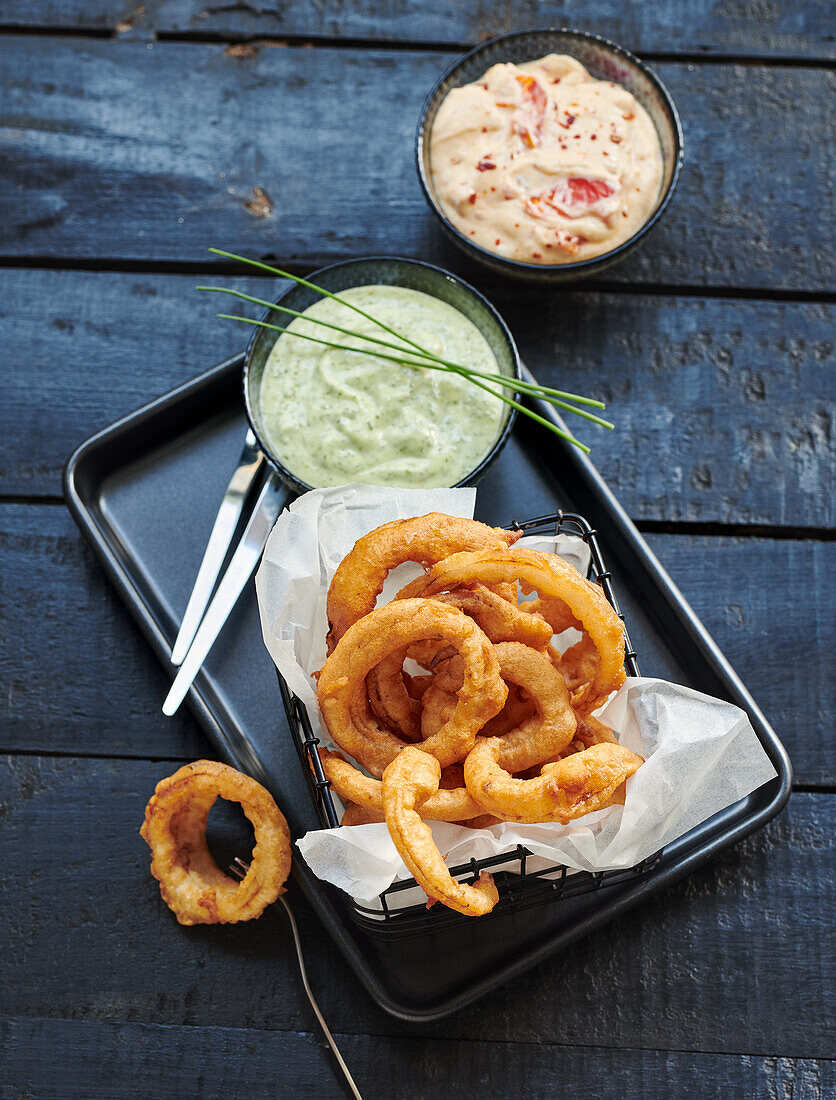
column 109, row 1061
column 724, row 409
column 789, row 29
column 151, row 152
column 759, row 915
column 132, row 136
column 80, row 679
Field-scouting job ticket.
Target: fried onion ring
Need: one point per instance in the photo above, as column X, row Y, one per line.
column 518, row 709
column 537, row 738
column 360, row 576
column 591, row 731
column 556, row 613
column 412, row 778
column 563, row 791
column 191, row 883
column 342, row 693
column 361, row 815
column 552, row 578
column 451, row 802
column 389, row 697
column 501, row 621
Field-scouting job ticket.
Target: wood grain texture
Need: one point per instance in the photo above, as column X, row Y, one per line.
column 724, row 409
column 77, row 675
column 113, row 1061
column 79, row 678
column 151, row 152
column 759, row 915
column 792, row 28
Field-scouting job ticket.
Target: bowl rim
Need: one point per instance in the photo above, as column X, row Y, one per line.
column 579, row 266
column 473, row 475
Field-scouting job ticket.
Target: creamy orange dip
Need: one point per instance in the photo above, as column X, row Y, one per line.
column 542, row 163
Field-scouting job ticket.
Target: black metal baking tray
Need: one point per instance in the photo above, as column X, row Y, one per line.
column 145, row 492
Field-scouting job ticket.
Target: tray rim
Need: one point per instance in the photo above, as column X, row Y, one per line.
column 318, row 896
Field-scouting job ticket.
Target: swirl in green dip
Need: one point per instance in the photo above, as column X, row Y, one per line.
column 334, row 416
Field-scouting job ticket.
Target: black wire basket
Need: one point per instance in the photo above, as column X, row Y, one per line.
column 401, row 910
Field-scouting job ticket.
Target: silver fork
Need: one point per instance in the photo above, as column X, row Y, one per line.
column 239, row 868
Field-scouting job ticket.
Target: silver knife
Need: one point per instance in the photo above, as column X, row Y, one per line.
column 247, row 470
column 270, row 502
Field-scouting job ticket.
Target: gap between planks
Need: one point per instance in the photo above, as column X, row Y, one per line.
column 177, row 761
column 707, row 529
column 346, row 1037
column 106, row 264
column 710, row 55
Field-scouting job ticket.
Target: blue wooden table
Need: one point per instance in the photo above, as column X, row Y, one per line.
column 133, row 138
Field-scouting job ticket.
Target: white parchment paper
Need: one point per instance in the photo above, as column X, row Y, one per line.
column 701, row 753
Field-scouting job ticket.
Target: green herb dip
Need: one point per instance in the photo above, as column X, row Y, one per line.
column 334, row 416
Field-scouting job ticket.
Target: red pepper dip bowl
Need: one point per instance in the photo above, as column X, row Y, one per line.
column 604, row 61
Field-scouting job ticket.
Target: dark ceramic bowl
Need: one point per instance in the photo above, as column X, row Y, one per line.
column 390, row 271
column 605, row 61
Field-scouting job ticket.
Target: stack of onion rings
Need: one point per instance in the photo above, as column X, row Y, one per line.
column 342, row 694
column 498, row 724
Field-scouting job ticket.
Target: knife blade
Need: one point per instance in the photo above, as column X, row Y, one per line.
column 229, row 513
column 269, row 503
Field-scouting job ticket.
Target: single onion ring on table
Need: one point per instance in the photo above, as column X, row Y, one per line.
column 538, row 738
column 446, row 804
column 409, row 780
column 552, row 578
column 501, row 621
column 191, row 883
column 572, row 787
column 360, row 576
column 341, row 688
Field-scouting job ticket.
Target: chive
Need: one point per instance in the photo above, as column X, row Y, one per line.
column 429, row 360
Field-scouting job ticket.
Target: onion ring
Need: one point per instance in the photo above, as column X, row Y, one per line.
column 552, row 578
column 592, row 731
column 448, row 803
column 518, row 709
column 361, row 815
column 191, row 883
column 342, row 694
column 417, row 685
column 501, row 621
column 410, row 779
column 389, row 697
column 538, row 738
column 360, row 576
column 483, row 822
column 436, row 708
column 563, row 791
column 555, row 611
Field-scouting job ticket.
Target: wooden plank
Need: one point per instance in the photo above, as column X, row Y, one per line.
column 152, row 152
column 723, row 408
column 790, row 29
column 55, row 1058
column 77, row 675
column 80, row 678
column 77, row 881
